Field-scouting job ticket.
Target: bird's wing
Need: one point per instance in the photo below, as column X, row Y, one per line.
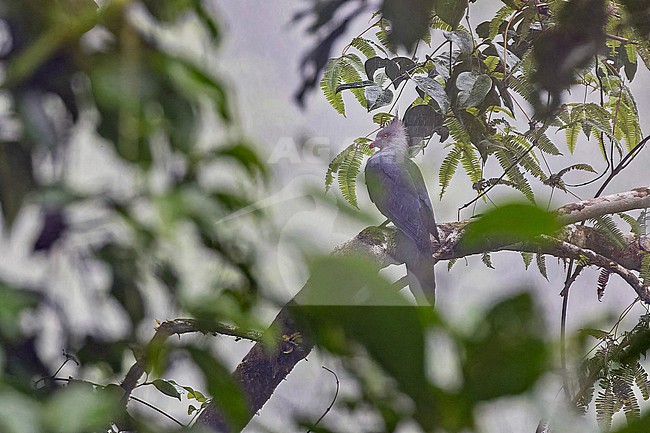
column 396, row 194
column 426, row 209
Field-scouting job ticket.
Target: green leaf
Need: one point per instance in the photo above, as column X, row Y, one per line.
column 167, row 388
column 527, row 258
column 451, row 11
column 432, row 88
column 462, row 39
column 377, row 97
column 473, row 88
column 511, row 223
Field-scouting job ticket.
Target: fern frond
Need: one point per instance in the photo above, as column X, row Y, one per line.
column 330, row 81
column 498, row 19
column 603, row 278
column 583, row 167
column 527, row 258
column 487, row 260
column 364, row 46
column 605, row 405
column 635, row 226
column 572, row 132
column 628, row 122
column 451, row 263
column 355, row 61
column 437, row 24
column 334, row 166
column 347, row 175
column 645, row 270
column 382, row 37
column 643, row 220
column 606, row 226
column 597, row 113
column 382, row 119
column 471, row 163
column 448, row 168
column 519, row 146
column 519, row 182
column 349, row 74
column 523, row 86
column 457, row 130
column 641, row 380
column 541, row 264
column 622, row 380
column 545, row 144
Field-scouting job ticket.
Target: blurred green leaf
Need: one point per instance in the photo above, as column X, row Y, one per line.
column 168, row 11
column 346, row 300
column 80, row 408
column 506, row 354
column 410, row 21
column 451, row 11
column 196, row 83
column 511, row 223
column 124, row 265
column 13, row 303
column 244, row 154
column 641, row 425
column 19, row 413
column 225, row 392
column 100, row 352
column 16, row 178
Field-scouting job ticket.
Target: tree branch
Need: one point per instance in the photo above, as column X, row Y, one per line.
column 179, row 326
column 262, row 369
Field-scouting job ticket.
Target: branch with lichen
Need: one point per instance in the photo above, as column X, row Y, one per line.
column 263, row 369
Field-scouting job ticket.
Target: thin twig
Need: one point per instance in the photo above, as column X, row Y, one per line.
column 329, row 408
column 160, row 411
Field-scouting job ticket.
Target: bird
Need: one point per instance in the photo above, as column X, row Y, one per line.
column 396, row 186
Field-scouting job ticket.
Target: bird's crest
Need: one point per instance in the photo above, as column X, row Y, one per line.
column 392, row 134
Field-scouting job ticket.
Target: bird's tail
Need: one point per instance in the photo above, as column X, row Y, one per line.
column 422, row 280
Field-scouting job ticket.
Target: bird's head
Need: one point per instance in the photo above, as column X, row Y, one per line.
column 392, row 136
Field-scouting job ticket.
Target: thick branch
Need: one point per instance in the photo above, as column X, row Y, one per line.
column 638, row 198
column 262, row 369
column 592, row 258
